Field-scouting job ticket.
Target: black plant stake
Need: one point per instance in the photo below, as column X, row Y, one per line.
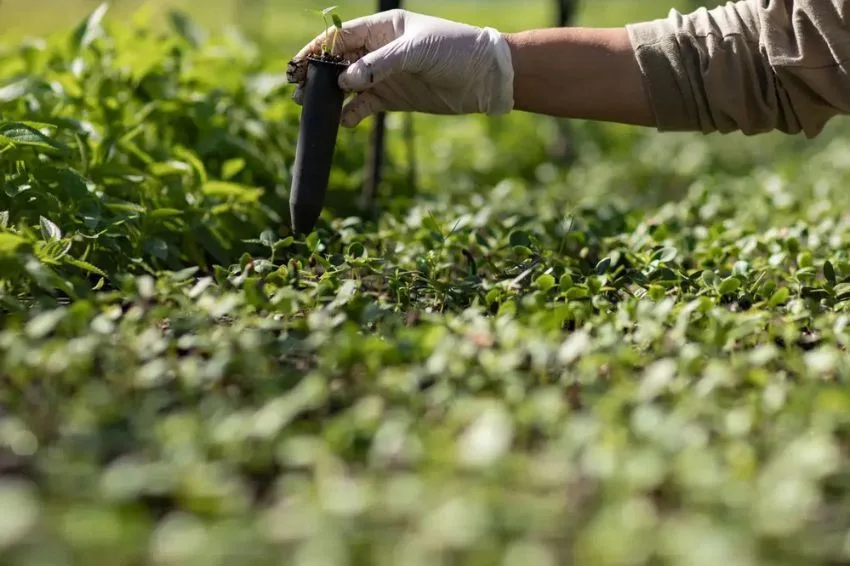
column 375, row 155
column 320, row 116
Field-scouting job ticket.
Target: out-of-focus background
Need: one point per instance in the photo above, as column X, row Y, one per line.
column 285, row 23
column 662, row 382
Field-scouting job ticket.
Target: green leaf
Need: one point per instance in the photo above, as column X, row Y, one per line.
column 267, row 237
column 15, row 90
column 166, row 168
column 228, row 189
column 829, row 272
column 337, row 21
column 729, row 285
column 157, row 247
column 804, row 259
column 186, row 28
column 577, row 293
column 165, row 212
column 328, row 10
column 779, row 297
column 545, row 282
column 10, row 243
column 183, row 274
column 665, row 255
column 44, row 323
column 49, row 230
column 194, row 161
column 519, row 238
column 89, row 29
column 83, row 265
column 312, row 241
column 19, row 134
column 232, row 167
column 431, row 223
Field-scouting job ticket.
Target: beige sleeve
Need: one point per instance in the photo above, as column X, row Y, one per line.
column 751, row 66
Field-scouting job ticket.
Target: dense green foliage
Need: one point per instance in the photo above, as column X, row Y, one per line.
column 635, row 359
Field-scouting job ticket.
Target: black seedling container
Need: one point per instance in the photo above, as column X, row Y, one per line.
column 320, row 115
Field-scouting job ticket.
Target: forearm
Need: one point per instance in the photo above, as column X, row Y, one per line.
column 580, row 73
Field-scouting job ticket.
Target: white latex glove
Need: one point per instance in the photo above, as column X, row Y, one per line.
column 412, row 62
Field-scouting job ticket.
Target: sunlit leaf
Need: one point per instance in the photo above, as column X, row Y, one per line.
column 49, row 230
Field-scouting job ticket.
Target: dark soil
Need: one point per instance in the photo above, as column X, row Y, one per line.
column 329, row 58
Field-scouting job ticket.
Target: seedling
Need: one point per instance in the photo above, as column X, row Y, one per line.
column 335, row 22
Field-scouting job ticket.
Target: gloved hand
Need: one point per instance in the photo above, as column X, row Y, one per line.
column 412, row 62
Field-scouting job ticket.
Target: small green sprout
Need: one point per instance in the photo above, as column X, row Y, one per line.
column 337, row 25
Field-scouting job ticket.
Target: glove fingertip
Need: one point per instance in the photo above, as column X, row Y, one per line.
column 350, row 119
column 352, row 78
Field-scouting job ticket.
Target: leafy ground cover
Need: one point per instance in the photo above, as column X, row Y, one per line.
column 636, row 359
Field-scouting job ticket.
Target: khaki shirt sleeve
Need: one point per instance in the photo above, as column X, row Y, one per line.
column 752, row 66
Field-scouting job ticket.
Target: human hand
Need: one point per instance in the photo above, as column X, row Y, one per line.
column 404, row 61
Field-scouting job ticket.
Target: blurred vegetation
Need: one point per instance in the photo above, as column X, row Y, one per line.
column 284, row 24
column 637, row 358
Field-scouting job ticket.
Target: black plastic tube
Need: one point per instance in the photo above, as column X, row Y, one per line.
column 320, row 115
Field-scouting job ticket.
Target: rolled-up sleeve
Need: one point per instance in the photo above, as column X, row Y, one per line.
column 752, row 66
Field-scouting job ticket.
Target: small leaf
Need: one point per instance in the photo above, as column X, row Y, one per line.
column 545, row 282
column 577, row 293
column 44, row 323
column 286, row 242
column 519, row 238
column 779, row 296
column 49, row 230
column 232, row 167
column 431, row 223
column 312, row 241
column 235, row 190
column 186, row 28
column 665, row 255
column 267, row 238
column 165, row 212
column 729, row 285
column 157, row 248
column 328, row 10
column 829, row 272
column 656, row 292
column 15, row 90
column 23, row 134
column 184, row 274
column 814, row 292
column 337, row 21
column 10, row 242
column 89, row 29
column 663, row 274
column 84, row 265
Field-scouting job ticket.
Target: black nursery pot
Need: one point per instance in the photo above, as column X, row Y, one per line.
column 320, row 115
